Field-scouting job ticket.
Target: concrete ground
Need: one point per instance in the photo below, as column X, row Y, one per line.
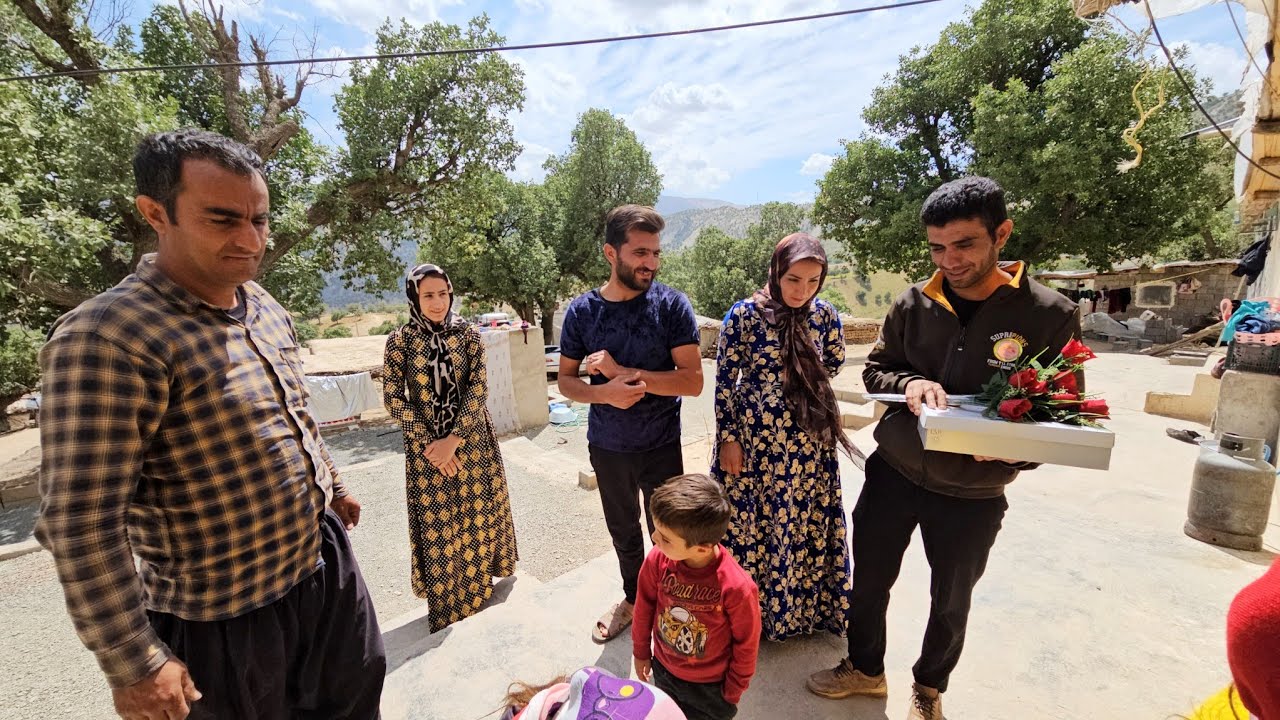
column 1095, row 605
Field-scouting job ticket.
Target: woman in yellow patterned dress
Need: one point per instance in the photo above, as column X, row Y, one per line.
column 434, row 384
column 778, row 431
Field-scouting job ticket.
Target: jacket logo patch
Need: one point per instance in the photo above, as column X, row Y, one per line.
column 1008, row 346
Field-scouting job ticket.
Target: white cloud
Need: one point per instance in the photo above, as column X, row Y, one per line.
column 708, row 107
column 529, row 164
column 368, row 15
column 817, row 164
column 1222, row 64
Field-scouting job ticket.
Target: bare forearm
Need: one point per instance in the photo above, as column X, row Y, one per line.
column 671, row 383
column 577, row 390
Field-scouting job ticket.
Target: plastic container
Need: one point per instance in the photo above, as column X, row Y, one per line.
column 1231, row 489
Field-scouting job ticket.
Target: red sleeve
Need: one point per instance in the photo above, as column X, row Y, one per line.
column 742, row 606
column 646, row 599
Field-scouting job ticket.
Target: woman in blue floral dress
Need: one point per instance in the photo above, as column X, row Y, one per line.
column 778, row 432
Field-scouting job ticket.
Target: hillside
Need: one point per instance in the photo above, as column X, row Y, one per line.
column 337, row 295
column 683, row 227
column 672, row 204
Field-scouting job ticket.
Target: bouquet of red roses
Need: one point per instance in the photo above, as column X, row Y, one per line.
column 1035, row 392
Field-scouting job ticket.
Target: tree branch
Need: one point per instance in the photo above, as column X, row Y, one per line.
column 57, row 24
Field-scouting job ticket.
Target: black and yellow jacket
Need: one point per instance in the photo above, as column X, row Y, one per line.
column 922, row 337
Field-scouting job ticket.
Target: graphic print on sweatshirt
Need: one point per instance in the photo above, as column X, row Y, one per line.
column 678, row 625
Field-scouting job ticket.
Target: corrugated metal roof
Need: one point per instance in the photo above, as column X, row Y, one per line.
column 1128, row 268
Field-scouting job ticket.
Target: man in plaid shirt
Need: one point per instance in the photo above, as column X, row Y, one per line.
column 175, row 428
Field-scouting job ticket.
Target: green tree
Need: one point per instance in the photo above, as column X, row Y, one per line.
column 501, row 256
column 1028, row 94
column 605, row 166
column 306, row 332
column 861, row 297
column 720, row 269
column 418, row 135
column 19, row 364
column 836, row 299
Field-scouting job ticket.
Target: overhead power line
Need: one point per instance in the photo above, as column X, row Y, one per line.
column 1192, row 94
column 467, row 51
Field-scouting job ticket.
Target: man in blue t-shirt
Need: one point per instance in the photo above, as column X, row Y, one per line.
column 638, row 341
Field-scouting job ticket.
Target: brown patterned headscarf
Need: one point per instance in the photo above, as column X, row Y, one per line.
column 446, row 391
column 806, row 383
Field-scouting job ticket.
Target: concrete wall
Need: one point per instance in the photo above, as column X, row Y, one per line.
column 517, row 379
column 1249, row 405
column 1268, row 283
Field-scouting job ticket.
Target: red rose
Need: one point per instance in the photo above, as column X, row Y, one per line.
column 1065, row 397
column 1065, row 381
column 1077, row 352
column 1024, row 378
column 1014, row 409
column 1097, row 408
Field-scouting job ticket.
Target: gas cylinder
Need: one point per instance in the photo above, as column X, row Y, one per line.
column 1231, row 488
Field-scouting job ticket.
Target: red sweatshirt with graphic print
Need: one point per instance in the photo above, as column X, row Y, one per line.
column 705, row 622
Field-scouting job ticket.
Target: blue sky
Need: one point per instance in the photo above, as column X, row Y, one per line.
column 746, row 116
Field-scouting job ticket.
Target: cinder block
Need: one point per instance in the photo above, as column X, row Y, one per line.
column 19, row 492
column 587, row 480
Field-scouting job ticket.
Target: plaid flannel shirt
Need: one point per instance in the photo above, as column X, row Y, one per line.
column 175, row 432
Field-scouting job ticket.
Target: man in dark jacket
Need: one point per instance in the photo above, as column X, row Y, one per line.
column 950, row 334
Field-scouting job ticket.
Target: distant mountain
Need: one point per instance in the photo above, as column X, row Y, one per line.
column 683, row 227
column 671, row 204
column 337, row 295
column 1224, row 109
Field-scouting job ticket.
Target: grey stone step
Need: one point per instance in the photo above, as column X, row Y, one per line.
column 554, row 465
column 855, row 416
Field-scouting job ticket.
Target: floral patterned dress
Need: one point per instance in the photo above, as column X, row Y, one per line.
column 788, row 526
column 460, row 528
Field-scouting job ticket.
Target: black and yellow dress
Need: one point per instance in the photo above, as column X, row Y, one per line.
column 460, row 529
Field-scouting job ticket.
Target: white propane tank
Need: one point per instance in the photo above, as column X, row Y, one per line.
column 1231, row 488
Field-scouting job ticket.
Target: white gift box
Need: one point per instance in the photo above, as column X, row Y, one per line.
column 969, row 432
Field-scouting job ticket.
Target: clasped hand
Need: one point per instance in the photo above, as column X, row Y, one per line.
column 442, row 454
column 624, row 388
column 166, row 694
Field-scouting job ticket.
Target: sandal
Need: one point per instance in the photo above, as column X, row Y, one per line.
column 611, row 624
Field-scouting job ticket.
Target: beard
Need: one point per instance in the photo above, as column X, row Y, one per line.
column 627, row 276
column 979, row 273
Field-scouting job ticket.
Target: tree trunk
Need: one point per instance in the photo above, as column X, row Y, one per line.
column 1211, row 249
column 547, row 311
column 525, row 311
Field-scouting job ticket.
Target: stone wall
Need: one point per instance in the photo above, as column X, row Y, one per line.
column 1187, row 310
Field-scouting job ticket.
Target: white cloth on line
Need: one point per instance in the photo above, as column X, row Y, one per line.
column 337, row 397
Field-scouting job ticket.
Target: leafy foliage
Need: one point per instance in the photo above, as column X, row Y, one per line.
column 336, row 331
column 605, row 166
column 19, row 362
column 1028, row 94
column 720, row 270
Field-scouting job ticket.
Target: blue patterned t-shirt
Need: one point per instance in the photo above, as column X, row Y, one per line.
column 639, row 333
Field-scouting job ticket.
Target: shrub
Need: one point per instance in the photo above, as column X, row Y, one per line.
column 306, row 332
column 337, row 331
column 338, row 315
column 385, row 328
column 19, row 363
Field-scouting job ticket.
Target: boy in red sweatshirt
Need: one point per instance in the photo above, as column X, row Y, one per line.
column 699, row 606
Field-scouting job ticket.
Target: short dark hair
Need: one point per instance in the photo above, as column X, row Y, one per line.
column 969, row 198
column 694, row 506
column 630, row 217
column 157, row 164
